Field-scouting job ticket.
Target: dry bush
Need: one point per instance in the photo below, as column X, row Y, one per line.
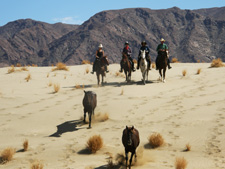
column 122, row 92
column 156, row 140
column 174, row 60
column 37, row 165
column 217, row 63
column 18, row 65
column 28, row 77
column 23, row 69
column 85, row 62
column 50, row 84
column 101, row 117
column 60, row 66
column 56, row 88
column 47, row 75
column 199, row 71
column 87, row 70
column 135, row 61
column 25, row 145
column 184, row 72
column 153, row 65
column 34, row 65
column 117, row 73
column 94, row 143
column 11, row 69
column 198, row 61
column 181, row 163
column 7, row 155
column 77, row 86
column 188, row 147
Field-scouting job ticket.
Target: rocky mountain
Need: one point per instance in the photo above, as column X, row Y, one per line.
column 192, row 35
column 21, row 41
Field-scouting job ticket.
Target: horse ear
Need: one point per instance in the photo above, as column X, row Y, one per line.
column 126, row 127
column 132, row 128
column 84, row 91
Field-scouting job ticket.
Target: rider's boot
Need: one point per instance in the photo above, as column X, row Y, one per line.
column 121, row 70
column 93, row 68
column 168, row 63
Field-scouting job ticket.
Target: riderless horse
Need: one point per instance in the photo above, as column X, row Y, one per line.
column 161, row 64
column 126, row 65
column 100, row 68
column 144, row 66
column 130, row 140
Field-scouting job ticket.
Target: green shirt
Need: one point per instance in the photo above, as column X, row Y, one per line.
column 162, row 46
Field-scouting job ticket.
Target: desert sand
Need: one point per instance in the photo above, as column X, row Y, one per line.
column 185, row 110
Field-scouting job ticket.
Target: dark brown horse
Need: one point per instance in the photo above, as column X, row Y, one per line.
column 100, row 68
column 130, row 140
column 162, row 64
column 126, row 65
column 89, row 103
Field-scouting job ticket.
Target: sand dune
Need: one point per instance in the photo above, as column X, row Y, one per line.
column 185, row 109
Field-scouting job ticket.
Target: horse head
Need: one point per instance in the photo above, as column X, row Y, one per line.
column 143, row 54
column 129, row 135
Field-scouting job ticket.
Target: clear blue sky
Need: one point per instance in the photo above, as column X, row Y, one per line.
column 78, row 11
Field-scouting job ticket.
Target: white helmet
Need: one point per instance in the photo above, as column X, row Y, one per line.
column 100, row 46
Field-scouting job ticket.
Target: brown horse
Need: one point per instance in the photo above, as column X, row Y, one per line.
column 100, row 68
column 126, row 65
column 162, row 64
column 130, row 140
column 89, row 103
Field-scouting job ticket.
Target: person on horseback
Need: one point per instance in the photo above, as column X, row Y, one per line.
column 147, row 51
column 161, row 49
column 98, row 55
column 127, row 51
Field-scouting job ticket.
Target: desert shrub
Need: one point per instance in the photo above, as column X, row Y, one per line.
column 217, row 63
column 135, row 61
column 188, row 147
column 28, row 77
column 11, row 69
column 47, row 75
column 37, row 165
column 18, row 65
column 7, row 155
column 84, row 62
column 25, row 145
column 60, row 66
column 199, row 71
column 122, row 92
column 174, row 60
column 181, row 163
column 184, row 72
column 87, row 70
column 94, row 143
column 153, row 65
column 156, row 140
column 23, row 69
column 101, row 117
column 56, row 88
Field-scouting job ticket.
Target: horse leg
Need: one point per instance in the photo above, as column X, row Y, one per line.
column 164, row 75
column 98, row 78
column 102, row 78
column 89, row 114
column 85, row 115
column 131, row 157
column 126, row 154
column 160, row 74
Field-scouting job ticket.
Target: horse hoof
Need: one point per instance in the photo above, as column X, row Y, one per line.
column 164, row 81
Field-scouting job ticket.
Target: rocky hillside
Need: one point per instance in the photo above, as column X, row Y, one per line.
column 192, row 35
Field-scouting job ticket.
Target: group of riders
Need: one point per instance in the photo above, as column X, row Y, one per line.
column 162, row 49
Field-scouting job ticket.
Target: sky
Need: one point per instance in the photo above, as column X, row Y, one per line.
column 78, row 11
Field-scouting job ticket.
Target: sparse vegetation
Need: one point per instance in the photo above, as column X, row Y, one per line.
column 7, row 155
column 28, row 77
column 25, row 145
column 174, row 60
column 60, row 66
column 56, row 88
column 153, row 65
column 11, row 69
column 37, row 165
column 23, row 69
column 101, row 117
column 95, row 143
column 156, row 140
column 199, row 71
column 47, row 75
column 18, row 65
column 217, row 63
column 87, row 70
column 181, row 163
column 122, row 91
column 50, row 84
column 84, row 62
column 188, row 147
column 184, row 72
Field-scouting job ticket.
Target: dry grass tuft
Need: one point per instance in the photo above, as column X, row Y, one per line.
column 60, row 66
column 184, row 72
column 77, row 86
column 174, row 60
column 117, row 74
column 18, row 65
column 56, row 88
column 50, row 84
column 87, row 70
column 217, row 63
column 47, row 75
column 34, row 65
column 188, row 147
column 23, row 69
column 37, row 165
column 25, row 145
column 85, row 62
column 156, row 140
column 28, row 77
column 135, row 61
column 11, row 69
column 181, row 163
column 95, row 143
column 101, row 117
column 7, row 155
column 122, row 92
column 199, row 71
column 153, row 66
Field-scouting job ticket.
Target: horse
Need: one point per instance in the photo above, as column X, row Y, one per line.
column 100, row 68
column 144, row 66
column 162, row 64
column 89, row 103
column 126, row 65
column 130, row 140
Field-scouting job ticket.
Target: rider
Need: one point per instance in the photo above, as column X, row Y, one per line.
column 98, row 55
column 147, row 51
column 127, row 51
column 162, row 47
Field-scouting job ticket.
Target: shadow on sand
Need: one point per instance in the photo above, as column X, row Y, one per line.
column 68, row 126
